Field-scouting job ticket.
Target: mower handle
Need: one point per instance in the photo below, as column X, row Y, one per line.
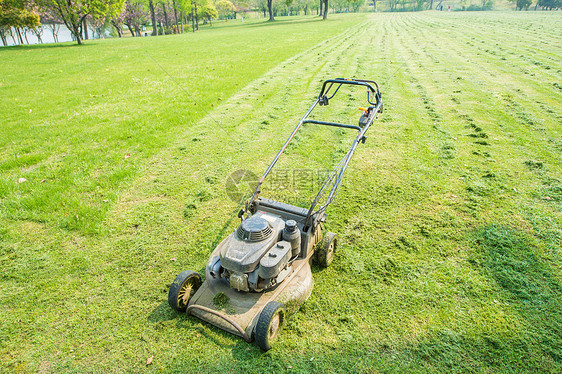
column 335, row 124
column 322, row 99
column 354, row 82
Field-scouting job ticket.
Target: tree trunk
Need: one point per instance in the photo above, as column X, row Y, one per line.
column 56, row 33
column 325, row 16
column 3, row 37
column 196, row 17
column 77, row 32
column 167, row 23
column 13, row 36
column 192, row 17
column 130, row 27
column 85, row 29
column 118, row 28
column 25, row 36
column 431, row 5
column 270, row 10
column 153, row 15
column 176, row 16
column 18, row 33
column 321, row 8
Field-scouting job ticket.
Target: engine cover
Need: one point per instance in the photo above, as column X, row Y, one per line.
column 242, row 251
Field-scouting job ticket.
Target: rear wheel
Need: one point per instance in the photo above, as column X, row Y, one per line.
column 327, row 249
column 270, row 323
column 184, row 286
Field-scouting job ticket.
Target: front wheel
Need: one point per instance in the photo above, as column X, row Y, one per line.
column 270, row 323
column 327, row 249
column 184, row 286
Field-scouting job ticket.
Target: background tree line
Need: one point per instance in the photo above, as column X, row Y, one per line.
column 82, row 17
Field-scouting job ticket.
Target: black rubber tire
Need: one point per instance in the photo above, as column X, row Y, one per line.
column 326, row 252
column 186, row 281
column 270, row 324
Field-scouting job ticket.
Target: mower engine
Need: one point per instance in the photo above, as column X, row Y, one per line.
column 259, row 254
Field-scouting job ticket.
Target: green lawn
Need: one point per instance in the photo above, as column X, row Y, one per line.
column 449, row 217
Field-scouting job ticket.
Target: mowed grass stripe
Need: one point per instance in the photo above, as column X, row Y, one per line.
column 519, row 100
column 504, row 45
column 489, row 75
column 207, row 222
column 430, row 82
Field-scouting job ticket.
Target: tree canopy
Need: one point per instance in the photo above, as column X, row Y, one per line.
column 16, row 14
column 74, row 12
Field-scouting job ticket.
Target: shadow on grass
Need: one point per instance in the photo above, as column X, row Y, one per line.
column 45, row 46
column 257, row 24
column 510, row 259
column 221, row 234
column 162, row 313
column 285, row 22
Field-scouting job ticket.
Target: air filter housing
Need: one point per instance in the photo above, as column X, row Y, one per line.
column 254, row 229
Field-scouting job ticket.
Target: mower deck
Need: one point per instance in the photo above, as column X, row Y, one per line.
column 240, row 312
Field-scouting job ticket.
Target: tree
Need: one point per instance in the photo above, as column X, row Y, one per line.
column 118, row 22
column 549, row 4
column 133, row 15
column 98, row 26
column 270, row 10
column 356, row 4
column 37, row 31
column 52, row 22
column 522, row 4
column 74, row 12
column 207, row 11
column 174, row 6
column 303, row 5
column 194, row 15
column 19, row 15
column 225, row 8
column 325, row 6
column 260, row 5
column 153, row 18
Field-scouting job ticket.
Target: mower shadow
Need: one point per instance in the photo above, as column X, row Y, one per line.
column 207, row 331
column 162, row 313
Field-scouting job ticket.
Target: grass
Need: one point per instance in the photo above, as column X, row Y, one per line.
column 449, row 216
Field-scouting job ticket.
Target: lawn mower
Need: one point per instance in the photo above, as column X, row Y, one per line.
column 261, row 272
